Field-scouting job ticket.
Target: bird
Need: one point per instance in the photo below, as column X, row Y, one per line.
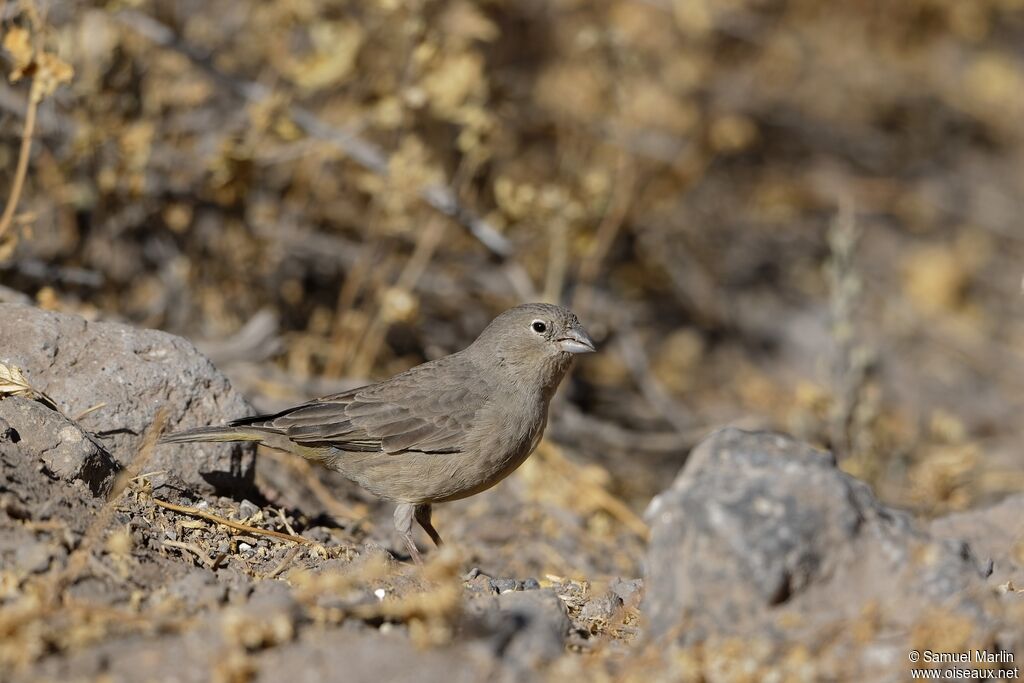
column 441, row 431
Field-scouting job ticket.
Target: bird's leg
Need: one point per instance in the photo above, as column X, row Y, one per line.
column 423, row 517
column 404, row 513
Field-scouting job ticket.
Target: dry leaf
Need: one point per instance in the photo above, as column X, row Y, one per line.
column 51, row 71
column 13, row 383
column 17, row 43
column 48, row 70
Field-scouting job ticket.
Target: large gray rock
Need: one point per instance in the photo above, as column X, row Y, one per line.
column 762, row 537
column 126, row 376
column 996, row 537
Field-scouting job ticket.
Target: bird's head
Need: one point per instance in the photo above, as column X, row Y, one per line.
column 536, row 333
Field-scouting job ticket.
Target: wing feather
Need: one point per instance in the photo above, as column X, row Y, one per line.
column 427, row 409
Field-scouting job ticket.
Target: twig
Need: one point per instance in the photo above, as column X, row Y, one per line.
column 574, row 426
column 851, row 363
column 611, row 223
column 195, row 512
column 22, row 168
column 192, row 548
column 558, row 261
column 51, row 274
column 284, row 521
column 283, row 564
column 89, row 410
column 364, row 357
column 631, row 348
column 83, row 552
column 343, row 341
column 257, row 340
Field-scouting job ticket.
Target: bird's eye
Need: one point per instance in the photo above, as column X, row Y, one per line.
column 539, row 327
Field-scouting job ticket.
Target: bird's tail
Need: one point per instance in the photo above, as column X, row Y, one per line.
column 214, row 434
column 266, row 436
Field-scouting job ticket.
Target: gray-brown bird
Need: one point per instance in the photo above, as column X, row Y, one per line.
column 444, row 430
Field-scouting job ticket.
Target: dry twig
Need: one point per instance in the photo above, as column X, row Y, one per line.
column 22, row 168
column 192, row 548
column 238, row 526
column 283, row 564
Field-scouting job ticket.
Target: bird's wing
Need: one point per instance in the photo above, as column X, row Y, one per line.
column 427, row 409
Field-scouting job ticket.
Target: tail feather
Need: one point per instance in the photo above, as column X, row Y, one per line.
column 213, row 434
column 267, row 436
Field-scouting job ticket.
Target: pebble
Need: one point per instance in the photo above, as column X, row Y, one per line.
column 247, row 509
column 506, row 585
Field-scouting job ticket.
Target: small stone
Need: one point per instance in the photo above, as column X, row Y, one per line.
column 481, row 585
column 247, row 509
column 506, row 585
column 629, row 592
column 33, row 558
column 599, row 609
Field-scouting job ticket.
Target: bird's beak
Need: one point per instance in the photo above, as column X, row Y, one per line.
column 577, row 341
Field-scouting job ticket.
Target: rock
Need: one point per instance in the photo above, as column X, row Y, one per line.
column 994, row 535
column 13, row 296
column 480, row 585
column 507, row 585
column 41, row 434
column 130, row 375
column 34, row 556
column 198, row 587
column 529, row 627
column 763, row 538
column 267, row 619
column 629, row 591
column 601, row 608
column 337, row 655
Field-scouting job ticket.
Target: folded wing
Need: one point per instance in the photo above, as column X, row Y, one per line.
column 427, row 409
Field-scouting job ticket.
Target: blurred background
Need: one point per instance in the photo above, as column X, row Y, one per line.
column 772, row 213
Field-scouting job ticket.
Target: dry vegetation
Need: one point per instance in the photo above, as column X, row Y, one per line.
column 778, row 212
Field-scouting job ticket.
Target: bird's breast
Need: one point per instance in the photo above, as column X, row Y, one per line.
column 504, row 434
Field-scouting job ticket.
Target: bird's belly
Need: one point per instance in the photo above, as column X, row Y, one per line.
column 435, row 478
column 412, row 477
column 493, row 460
